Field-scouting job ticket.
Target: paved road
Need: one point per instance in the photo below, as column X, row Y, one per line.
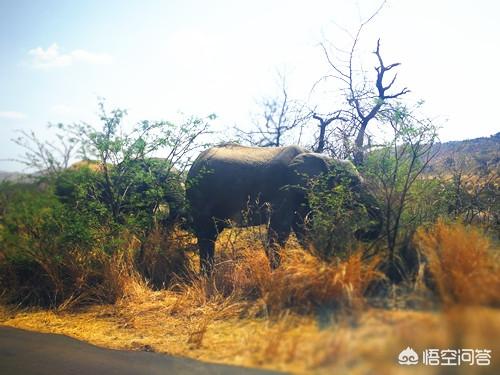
column 29, row 353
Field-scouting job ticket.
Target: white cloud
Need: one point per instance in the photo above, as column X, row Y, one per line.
column 12, row 115
column 52, row 57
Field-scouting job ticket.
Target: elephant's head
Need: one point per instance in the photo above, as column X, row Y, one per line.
column 309, row 166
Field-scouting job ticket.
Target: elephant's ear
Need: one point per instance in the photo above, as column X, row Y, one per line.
column 305, row 166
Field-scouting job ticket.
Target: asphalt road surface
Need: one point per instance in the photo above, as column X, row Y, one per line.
column 29, row 353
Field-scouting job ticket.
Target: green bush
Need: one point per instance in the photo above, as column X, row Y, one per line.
column 48, row 249
column 76, row 235
column 134, row 195
column 336, row 214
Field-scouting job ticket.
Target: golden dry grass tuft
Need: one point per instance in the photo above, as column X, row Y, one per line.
column 462, row 262
column 303, row 283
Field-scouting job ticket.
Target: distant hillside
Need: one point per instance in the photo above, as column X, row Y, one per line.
column 11, row 176
column 478, row 155
column 17, row 177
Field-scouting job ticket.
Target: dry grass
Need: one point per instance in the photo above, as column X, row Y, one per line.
column 164, row 256
column 293, row 343
column 106, row 283
column 306, row 317
column 78, row 277
column 303, row 283
column 463, row 264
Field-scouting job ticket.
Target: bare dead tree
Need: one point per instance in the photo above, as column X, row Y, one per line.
column 324, row 136
column 279, row 116
column 364, row 97
column 367, row 111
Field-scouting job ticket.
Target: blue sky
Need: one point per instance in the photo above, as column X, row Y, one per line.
column 159, row 58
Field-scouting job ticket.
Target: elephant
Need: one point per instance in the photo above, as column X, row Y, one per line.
column 224, row 180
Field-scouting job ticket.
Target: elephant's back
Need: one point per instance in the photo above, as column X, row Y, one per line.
column 243, row 155
column 224, row 175
column 241, row 164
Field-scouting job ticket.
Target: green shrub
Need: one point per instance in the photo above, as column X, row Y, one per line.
column 336, row 215
column 49, row 250
column 80, row 234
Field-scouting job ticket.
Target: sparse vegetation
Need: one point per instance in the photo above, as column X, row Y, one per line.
column 108, row 235
column 405, row 252
column 309, row 316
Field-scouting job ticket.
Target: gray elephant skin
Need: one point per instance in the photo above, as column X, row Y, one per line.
column 233, row 185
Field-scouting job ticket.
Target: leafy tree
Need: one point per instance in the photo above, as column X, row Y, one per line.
column 73, row 234
column 120, row 181
column 395, row 168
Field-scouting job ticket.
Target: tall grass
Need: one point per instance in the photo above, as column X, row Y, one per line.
column 243, row 286
column 46, row 275
column 163, row 256
column 303, row 283
column 463, row 264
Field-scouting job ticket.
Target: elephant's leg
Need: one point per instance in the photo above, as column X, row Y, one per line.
column 206, row 244
column 300, row 232
column 207, row 250
column 277, row 240
column 278, row 234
